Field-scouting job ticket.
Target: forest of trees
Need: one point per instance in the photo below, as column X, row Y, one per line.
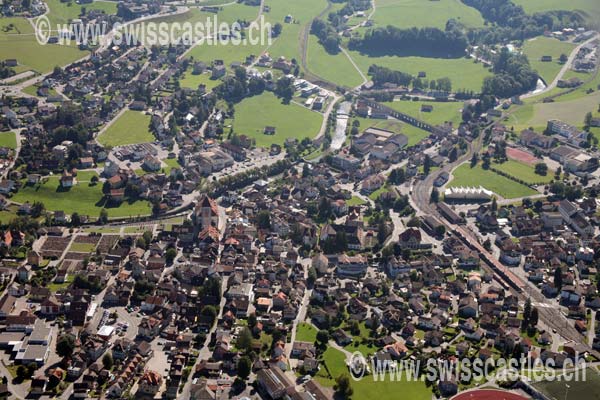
column 425, row 42
column 512, row 23
column 512, row 75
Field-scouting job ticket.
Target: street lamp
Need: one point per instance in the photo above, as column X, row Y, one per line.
column 567, row 391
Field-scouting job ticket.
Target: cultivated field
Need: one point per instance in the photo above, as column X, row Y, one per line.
column 305, row 332
column 130, row 128
column 408, row 13
column 442, row 111
column 17, row 40
column 542, row 46
column 291, row 121
column 465, row 176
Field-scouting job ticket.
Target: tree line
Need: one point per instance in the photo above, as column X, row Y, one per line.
column 510, row 22
column 381, row 75
column 424, row 42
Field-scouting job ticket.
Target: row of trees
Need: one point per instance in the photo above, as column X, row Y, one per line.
column 381, row 75
column 426, row 42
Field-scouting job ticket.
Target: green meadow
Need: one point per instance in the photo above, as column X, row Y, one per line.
column 291, row 121
column 130, row 128
column 17, row 40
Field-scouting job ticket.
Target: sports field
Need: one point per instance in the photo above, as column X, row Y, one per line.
column 417, row 13
column 129, row 128
column 17, row 40
column 465, row 176
column 291, row 121
column 521, row 155
column 442, row 111
column 538, row 47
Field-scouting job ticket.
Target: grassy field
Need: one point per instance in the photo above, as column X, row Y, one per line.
column 524, row 172
column 588, row 8
column 83, row 198
column 322, row 64
column 288, row 43
column 63, row 12
column 20, row 43
column 130, row 128
column 355, row 201
column 291, row 121
column 193, row 81
column 375, row 195
column 414, row 134
column 442, row 111
column 542, row 46
column 464, row 73
column 367, row 388
column 32, row 90
column 409, row 13
column 8, row 214
column 305, row 332
column 572, row 111
column 465, row 176
column 582, row 91
column 8, row 139
column 172, row 163
column 55, row 287
column 596, row 133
